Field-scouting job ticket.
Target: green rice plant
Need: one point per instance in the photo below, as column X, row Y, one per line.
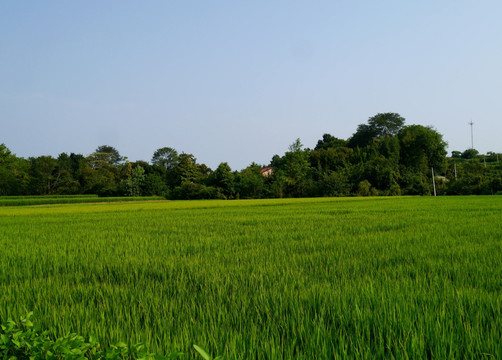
column 411, row 277
column 70, row 199
column 48, row 196
column 205, row 354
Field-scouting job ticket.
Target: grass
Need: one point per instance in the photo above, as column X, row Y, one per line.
column 299, row 278
column 68, row 199
column 48, row 196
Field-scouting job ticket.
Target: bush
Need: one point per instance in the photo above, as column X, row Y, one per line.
column 22, row 340
column 194, row 191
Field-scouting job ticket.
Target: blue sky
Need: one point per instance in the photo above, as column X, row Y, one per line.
column 238, row 81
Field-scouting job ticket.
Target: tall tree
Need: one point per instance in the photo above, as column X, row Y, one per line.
column 166, row 157
column 296, row 169
column 14, row 175
column 470, row 154
column 187, row 169
column 45, row 176
column 224, row 179
column 422, row 147
column 386, row 124
column 329, row 141
column 113, row 155
column 378, row 126
column 135, row 180
column 362, row 137
column 250, row 182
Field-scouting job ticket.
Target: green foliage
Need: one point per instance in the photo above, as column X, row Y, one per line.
column 395, row 159
column 333, row 159
column 470, row 154
column 250, row 183
column 422, row 148
column 205, row 354
column 296, row 171
column 44, row 175
column 22, row 340
column 165, row 157
column 386, row 124
column 14, row 175
column 378, row 126
column 329, row 141
column 333, row 184
column 187, row 170
column 223, row 179
column 474, row 177
column 109, row 155
column 296, row 146
column 136, row 180
column 194, row 191
column 363, row 136
column 365, row 189
column 154, row 185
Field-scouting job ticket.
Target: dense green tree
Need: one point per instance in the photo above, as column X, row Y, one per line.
column 135, row 181
column 187, row 169
column 382, row 157
column 474, row 177
column 195, row 191
column 14, row 175
column 99, row 160
column 386, row 124
column 5, row 155
column 166, row 157
column 362, row 137
column 295, row 168
column 113, row 155
column 329, row 141
column 67, row 171
column 154, row 185
column 250, row 183
column 224, row 179
column 7, row 179
column 279, row 184
column 422, row 147
column 382, row 174
column 102, row 180
column 333, row 183
column 365, row 188
column 470, row 154
column 330, row 158
column 276, row 161
column 378, row 126
column 492, row 156
column 45, row 175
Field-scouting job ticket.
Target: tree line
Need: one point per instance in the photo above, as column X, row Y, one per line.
column 383, row 157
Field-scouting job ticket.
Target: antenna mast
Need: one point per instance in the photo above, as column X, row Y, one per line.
column 472, row 138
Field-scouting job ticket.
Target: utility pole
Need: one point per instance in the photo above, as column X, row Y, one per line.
column 433, row 181
column 472, row 137
column 455, row 167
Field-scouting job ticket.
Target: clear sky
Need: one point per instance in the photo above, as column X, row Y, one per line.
column 238, row 81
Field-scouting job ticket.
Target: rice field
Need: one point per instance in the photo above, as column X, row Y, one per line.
column 416, row 277
column 68, row 199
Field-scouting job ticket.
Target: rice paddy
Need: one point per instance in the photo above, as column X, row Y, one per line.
column 68, row 199
column 417, row 277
